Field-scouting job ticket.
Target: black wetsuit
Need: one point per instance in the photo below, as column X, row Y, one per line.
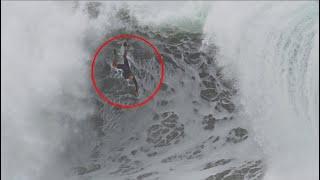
column 126, row 72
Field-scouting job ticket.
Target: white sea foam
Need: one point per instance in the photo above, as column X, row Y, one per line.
column 271, row 48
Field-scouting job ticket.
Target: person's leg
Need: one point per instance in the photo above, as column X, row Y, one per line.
column 125, row 60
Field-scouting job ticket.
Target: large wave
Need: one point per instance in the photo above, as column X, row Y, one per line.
column 271, row 48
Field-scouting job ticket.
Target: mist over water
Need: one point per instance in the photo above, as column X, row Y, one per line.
column 270, row 49
column 42, row 44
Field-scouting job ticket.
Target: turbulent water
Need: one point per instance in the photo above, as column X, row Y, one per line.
column 240, row 98
column 274, row 51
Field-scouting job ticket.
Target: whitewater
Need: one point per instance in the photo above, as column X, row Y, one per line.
column 269, row 52
column 273, row 51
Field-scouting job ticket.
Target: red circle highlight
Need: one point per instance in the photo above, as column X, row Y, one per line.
column 103, row 96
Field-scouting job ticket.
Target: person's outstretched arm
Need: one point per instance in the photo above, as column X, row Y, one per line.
column 125, row 60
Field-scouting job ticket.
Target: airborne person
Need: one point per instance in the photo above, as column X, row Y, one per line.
column 125, row 67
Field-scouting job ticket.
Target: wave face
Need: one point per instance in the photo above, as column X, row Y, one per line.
column 272, row 50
